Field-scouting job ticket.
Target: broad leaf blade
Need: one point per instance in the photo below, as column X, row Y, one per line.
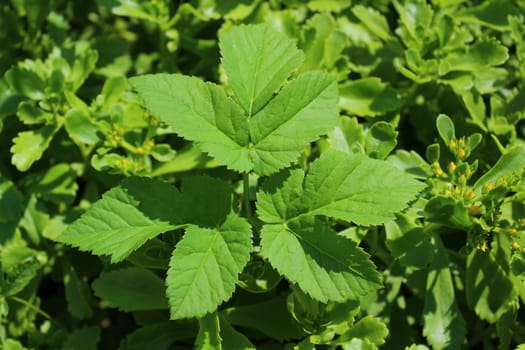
column 76, row 292
column 199, row 112
column 205, row 266
column 304, row 110
column 132, row 289
column 29, row 146
column 86, row 338
column 205, row 201
column 443, row 326
column 324, row 265
column 20, row 275
column 257, row 61
column 278, row 194
column 158, row 336
column 126, row 217
column 483, row 275
column 355, row 188
column 512, row 162
column 216, row 333
column 269, row 317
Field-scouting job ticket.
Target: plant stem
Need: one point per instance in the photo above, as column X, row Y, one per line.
column 246, row 196
column 36, row 309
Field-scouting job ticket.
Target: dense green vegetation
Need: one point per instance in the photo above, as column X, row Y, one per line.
column 285, row 174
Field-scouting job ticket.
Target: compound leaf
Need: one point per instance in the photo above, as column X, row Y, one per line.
column 324, row 265
column 199, row 112
column 126, row 217
column 205, row 266
column 257, row 61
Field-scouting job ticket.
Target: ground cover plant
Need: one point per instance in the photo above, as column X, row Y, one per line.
column 284, row 174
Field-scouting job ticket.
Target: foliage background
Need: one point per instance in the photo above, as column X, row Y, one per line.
column 71, row 128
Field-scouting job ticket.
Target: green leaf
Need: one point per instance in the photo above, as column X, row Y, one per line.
column 11, row 344
column 132, row 289
column 489, row 289
column 408, row 242
column 11, row 202
column 58, row 184
column 81, row 127
column 512, row 162
column 85, row 338
column 205, row 266
column 162, row 152
column 126, row 217
column 445, row 128
column 492, row 14
column 26, row 82
column 305, row 109
column 20, row 275
column 232, row 339
column 482, row 54
column 326, row 266
column 269, row 317
column 448, row 211
column 443, row 324
column 505, row 325
column 380, row 140
column 360, row 344
column 199, row 112
column 369, row 97
column 355, row 188
column 374, row 21
column 328, row 5
column 30, row 114
column 154, row 254
column 158, row 336
column 369, row 328
column 82, row 67
column 76, row 292
column 205, row 201
column 209, row 336
column 257, row 61
column 29, row 146
column 216, row 333
column 411, row 163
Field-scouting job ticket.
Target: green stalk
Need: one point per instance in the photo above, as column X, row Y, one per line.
column 36, row 309
column 246, row 197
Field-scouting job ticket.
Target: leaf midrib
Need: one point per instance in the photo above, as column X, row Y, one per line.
column 292, row 116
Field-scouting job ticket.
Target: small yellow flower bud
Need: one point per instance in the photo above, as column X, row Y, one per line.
column 516, row 245
column 483, row 247
column 452, row 166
